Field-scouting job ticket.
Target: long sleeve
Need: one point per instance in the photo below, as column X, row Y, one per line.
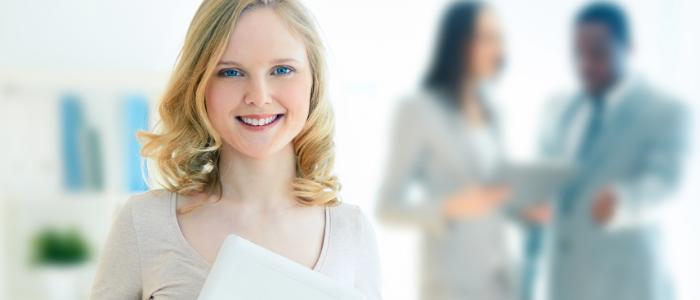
column 368, row 276
column 407, row 147
column 659, row 169
column 119, row 268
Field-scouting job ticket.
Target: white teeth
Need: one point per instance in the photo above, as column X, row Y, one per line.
column 259, row 122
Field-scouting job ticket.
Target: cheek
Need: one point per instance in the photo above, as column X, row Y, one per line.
column 489, row 57
column 496, row 54
column 480, row 59
column 219, row 100
column 295, row 96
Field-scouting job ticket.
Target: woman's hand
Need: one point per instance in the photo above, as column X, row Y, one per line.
column 538, row 214
column 604, row 206
column 475, row 201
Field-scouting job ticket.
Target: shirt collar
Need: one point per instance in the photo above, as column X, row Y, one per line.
column 616, row 95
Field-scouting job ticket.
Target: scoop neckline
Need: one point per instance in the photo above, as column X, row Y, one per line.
column 207, row 266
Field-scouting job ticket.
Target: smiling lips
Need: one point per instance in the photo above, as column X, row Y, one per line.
column 259, row 122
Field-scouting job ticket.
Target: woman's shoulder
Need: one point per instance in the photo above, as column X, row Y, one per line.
column 350, row 221
column 347, row 212
column 158, row 195
column 421, row 108
column 150, row 202
column 147, row 211
column 422, row 101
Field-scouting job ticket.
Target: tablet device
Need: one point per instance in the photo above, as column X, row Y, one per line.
column 533, row 182
column 244, row 270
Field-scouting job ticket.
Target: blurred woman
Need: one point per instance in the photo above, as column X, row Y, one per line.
column 244, row 146
column 446, row 149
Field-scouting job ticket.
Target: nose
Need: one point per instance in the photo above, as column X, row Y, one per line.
column 258, row 94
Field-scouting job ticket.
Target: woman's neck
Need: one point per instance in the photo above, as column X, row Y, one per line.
column 265, row 182
column 468, row 91
column 470, row 103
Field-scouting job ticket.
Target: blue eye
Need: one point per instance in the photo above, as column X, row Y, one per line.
column 282, row 71
column 230, row 73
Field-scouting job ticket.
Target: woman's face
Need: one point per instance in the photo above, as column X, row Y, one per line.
column 258, row 98
column 486, row 49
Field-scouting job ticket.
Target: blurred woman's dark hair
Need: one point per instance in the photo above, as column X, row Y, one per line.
column 449, row 66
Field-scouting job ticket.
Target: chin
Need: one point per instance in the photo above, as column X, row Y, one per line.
column 259, row 150
column 258, row 145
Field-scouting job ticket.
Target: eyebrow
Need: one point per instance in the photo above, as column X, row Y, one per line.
column 228, row 63
column 274, row 61
column 283, row 60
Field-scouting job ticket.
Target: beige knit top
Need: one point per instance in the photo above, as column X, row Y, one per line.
column 146, row 256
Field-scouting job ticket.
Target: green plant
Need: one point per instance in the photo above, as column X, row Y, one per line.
column 54, row 247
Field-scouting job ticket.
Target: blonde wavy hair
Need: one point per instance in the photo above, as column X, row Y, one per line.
column 184, row 148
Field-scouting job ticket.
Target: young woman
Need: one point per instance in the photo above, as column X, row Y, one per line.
column 244, row 146
column 446, row 141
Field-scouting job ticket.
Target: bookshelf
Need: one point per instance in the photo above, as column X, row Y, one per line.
column 68, row 158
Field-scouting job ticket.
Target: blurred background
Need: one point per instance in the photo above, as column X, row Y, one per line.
column 79, row 77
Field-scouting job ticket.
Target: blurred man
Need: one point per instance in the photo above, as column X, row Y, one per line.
column 628, row 140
